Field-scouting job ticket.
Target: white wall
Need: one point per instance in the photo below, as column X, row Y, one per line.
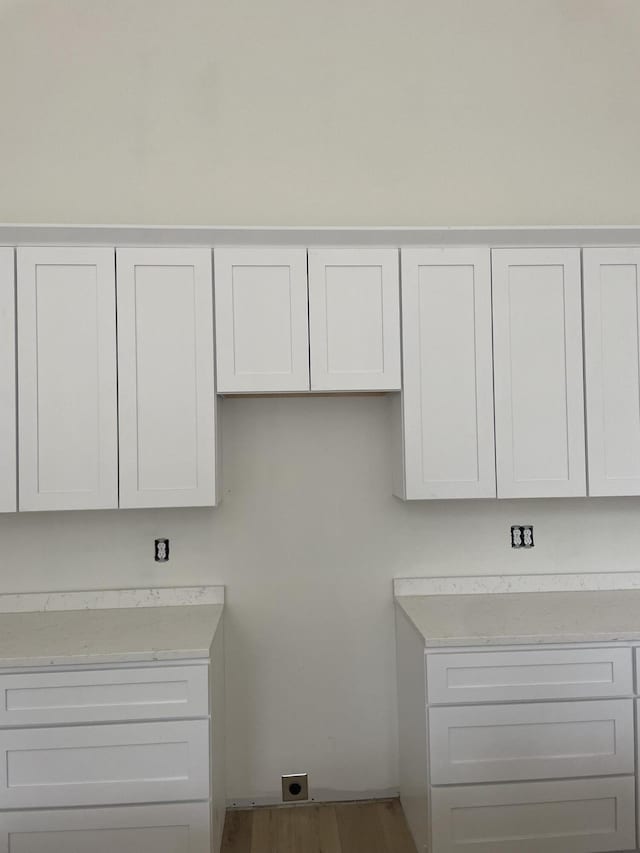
column 241, row 111
column 320, row 111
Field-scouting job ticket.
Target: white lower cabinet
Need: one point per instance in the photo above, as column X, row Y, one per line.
column 126, row 758
column 104, row 695
column 505, row 775
column 497, row 676
column 104, row 765
column 541, row 740
column 572, row 816
column 182, row 828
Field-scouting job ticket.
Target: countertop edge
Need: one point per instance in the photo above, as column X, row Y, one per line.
column 113, row 658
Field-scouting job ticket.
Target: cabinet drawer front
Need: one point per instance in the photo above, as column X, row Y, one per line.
column 104, row 765
column 104, row 695
column 551, row 674
column 500, row 743
column 174, row 828
column 582, row 816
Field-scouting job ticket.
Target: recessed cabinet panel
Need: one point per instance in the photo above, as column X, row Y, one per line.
column 104, row 764
column 67, row 379
column 573, row 816
column 354, row 319
column 262, row 335
column 169, row 828
column 448, row 381
column 8, row 449
column 539, row 412
column 496, row 676
column 612, row 369
column 103, row 695
column 166, row 389
column 545, row 740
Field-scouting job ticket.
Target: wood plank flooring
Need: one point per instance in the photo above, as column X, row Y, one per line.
column 363, row 827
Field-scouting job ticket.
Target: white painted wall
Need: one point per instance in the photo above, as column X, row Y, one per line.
column 240, row 111
column 320, row 111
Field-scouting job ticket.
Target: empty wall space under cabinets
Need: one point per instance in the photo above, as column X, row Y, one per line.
column 123, row 353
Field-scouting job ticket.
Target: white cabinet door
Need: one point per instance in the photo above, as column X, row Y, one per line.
column 354, row 319
column 572, row 816
column 166, row 388
column 103, row 695
column 104, row 764
column 543, row 740
column 68, row 443
column 612, row 369
column 537, row 334
column 169, row 828
column 262, row 326
column 447, row 406
column 8, row 449
column 494, row 676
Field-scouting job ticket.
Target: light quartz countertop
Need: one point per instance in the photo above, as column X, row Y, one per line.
column 524, row 617
column 111, row 635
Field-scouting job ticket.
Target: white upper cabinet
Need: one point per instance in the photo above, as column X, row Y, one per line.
column 167, row 404
column 447, row 405
column 612, row 369
column 8, row 450
column 262, row 335
column 539, row 411
column 354, row 319
column 68, row 451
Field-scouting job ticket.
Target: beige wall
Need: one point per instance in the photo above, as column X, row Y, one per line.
column 297, row 112
column 320, row 111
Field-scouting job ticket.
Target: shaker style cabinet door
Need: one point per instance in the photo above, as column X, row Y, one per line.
column 167, row 403
column 262, row 334
column 8, row 449
column 166, row 828
column 537, row 338
column 68, row 444
column 612, row 369
column 354, row 319
column 447, row 399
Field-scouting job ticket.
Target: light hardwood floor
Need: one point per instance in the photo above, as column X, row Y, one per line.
column 366, row 827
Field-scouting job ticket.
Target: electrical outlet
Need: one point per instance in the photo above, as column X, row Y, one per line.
column 295, row 786
column 522, row 536
column 162, row 551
